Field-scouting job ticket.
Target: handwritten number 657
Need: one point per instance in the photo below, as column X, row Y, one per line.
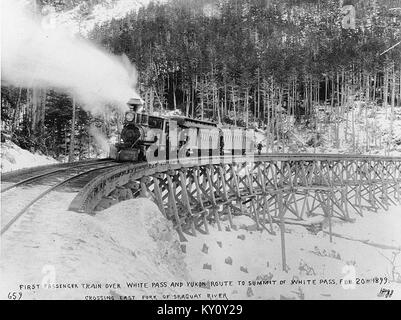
column 14, row 295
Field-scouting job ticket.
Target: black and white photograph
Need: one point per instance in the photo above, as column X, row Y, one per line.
column 215, row 150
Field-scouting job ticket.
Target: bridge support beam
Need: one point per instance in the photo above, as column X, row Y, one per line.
column 272, row 189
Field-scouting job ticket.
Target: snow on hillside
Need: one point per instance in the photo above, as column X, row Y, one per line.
column 101, row 13
column 371, row 129
column 370, row 133
column 14, row 158
column 132, row 242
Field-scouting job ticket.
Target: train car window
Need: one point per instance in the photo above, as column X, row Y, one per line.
column 155, row 122
column 144, row 119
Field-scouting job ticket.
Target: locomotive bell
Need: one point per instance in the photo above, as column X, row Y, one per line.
column 135, row 104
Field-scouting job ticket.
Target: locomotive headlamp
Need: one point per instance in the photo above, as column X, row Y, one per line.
column 129, row 116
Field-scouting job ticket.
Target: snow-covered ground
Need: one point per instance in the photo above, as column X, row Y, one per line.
column 101, row 13
column 132, row 242
column 256, row 255
column 370, row 134
column 14, row 158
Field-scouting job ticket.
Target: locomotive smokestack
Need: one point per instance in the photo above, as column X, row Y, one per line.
column 135, row 104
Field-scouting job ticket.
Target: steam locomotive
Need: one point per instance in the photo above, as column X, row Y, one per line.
column 151, row 138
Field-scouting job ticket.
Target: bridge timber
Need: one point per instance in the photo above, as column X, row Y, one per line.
column 269, row 188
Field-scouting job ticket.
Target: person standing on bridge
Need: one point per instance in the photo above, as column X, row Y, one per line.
column 259, row 148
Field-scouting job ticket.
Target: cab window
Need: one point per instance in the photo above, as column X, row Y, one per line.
column 155, row 122
column 144, row 119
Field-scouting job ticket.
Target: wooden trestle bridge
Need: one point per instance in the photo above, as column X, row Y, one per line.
column 270, row 188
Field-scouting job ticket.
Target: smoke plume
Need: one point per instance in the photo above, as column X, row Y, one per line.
column 38, row 55
column 101, row 140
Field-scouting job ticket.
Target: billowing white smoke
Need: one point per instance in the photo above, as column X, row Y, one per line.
column 100, row 139
column 36, row 56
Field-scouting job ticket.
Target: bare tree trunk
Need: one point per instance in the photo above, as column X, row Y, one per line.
column 174, row 97
column 218, row 105
column 201, row 100
column 353, row 130
column 255, row 107
column 399, row 88
column 151, row 100
column 338, row 90
column 34, row 109
column 71, row 155
column 332, row 92
column 206, row 88
column 279, row 116
column 385, row 90
column 44, row 96
column 233, row 100
column 225, row 99
column 246, row 106
column 392, row 103
column 193, row 96
column 326, row 84
column 311, row 96
column 16, row 116
column 343, row 96
column 294, row 95
column 258, row 94
column 374, row 86
column 289, row 96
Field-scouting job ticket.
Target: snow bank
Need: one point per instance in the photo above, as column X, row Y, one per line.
column 249, row 255
column 139, row 225
column 14, row 158
column 130, row 242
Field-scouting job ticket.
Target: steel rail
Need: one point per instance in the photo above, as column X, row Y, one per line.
column 16, row 173
column 49, row 173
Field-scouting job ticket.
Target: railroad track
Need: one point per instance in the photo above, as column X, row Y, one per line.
column 96, row 179
column 24, row 176
column 195, row 193
column 31, row 186
column 191, row 192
